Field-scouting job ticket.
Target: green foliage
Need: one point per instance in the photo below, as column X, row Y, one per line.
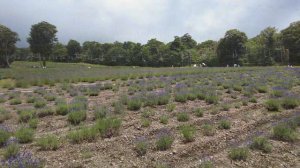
column 88, row 134
column 188, row 132
column 108, row 127
column 33, row 123
column 181, row 98
column 4, row 136
column 11, row 150
column 164, row 142
column 62, row 109
column 15, row 101
column 224, row 124
column 118, row 107
column 171, row 107
column 198, row 112
column 141, row 148
column 146, row 122
column 261, row 143
column 182, row 117
column 262, row 89
column 4, row 115
column 101, row 112
column 284, row 132
column 289, row 103
column 40, row 103
column 26, row 115
column 164, row 119
column 211, row 99
column 134, row 104
column 238, row 154
column 47, row 111
column 76, row 117
column 25, row 135
column 272, row 105
column 48, row 142
column 208, row 130
column 206, row 164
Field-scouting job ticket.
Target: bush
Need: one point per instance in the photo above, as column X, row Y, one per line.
column 11, row 150
column 188, row 133
column 4, row 136
column 238, row 153
column 147, row 113
column 261, row 143
column 224, row 124
column 134, row 104
column 237, row 88
column 62, row 109
column 15, row 101
column 88, row 134
column 198, row 112
column 118, row 107
column 48, row 142
column 253, row 100
column 225, row 107
column 40, row 103
column 171, row 107
column 164, row 119
column 26, row 115
column 284, row 132
column 208, row 130
column 181, row 97
column 141, row 148
column 24, row 135
column 50, row 97
column 164, row 142
column 273, row 105
column 289, row 103
column 182, row 117
column 31, row 99
column 206, row 164
column 4, row 115
column 33, row 123
column 76, row 117
column 212, row 99
column 108, row 127
column 101, row 112
column 45, row 112
column 146, row 122
column 262, row 89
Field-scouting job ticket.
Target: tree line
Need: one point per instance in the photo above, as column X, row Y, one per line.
column 270, row 47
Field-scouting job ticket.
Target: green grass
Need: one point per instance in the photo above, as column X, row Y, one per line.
column 238, row 154
column 108, row 127
column 182, row 117
column 48, row 142
column 261, row 143
column 164, row 142
column 4, row 136
column 273, row 105
column 188, row 133
column 224, row 124
column 25, row 135
column 87, row 134
column 11, row 150
column 76, row 117
column 4, row 115
column 284, row 132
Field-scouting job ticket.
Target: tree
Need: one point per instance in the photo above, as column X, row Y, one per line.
column 73, row 48
column 188, row 42
column 59, row 52
column 42, row 39
column 206, row 53
column 8, row 40
column 231, row 48
column 291, row 41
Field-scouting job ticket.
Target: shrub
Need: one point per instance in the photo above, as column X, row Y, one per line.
column 237, row 88
column 261, row 143
column 225, row 107
column 134, row 104
column 11, row 150
column 4, row 136
column 141, row 148
column 62, row 109
column 24, row 160
column 208, row 130
column 179, row 97
column 188, row 132
column 33, row 123
column 164, row 142
column 278, row 93
column 108, row 127
column 146, row 122
column 171, row 107
column 224, row 124
column 262, row 89
column 101, row 112
column 4, row 115
column 31, row 99
column 147, row 113
column 211, row 99
column 164, row 119
column 26, row 115
column 238, row 153
column 289, row 103
column 39, row 103
column 76, row 117
column 206, row 164
column 45, row 112
column 24, row 135
column 118, row 107
column 15, row 101
column 50, row 97
column 253, row 100
column 48, row 142
column 198, row 112
column 182, row 117
column 284, row 132
column 88, row 134
column 272, row 105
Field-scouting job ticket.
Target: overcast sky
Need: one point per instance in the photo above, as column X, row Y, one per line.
column 141, row 20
